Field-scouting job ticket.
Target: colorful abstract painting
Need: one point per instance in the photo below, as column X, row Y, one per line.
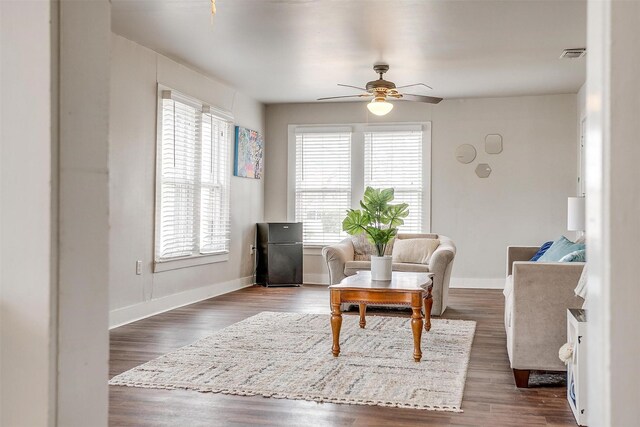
column 248, row 153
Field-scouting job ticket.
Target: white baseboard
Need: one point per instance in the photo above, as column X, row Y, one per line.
column 315, row 279
column 477, row 283
column 124, row 315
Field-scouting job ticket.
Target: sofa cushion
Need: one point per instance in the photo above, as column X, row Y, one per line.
column 415, row 251
column 560, row 248
column 352, row 267
column 575, row 256
column 544, row 248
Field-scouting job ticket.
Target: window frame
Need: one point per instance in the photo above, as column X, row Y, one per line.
column 195, row 259
column 357, row 165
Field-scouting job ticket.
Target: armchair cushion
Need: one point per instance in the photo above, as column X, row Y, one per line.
column 415, row 251
column 363, row 249
column 352, row 267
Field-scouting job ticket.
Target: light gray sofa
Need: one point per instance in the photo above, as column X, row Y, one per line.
column 537, row 296
column 340, row 263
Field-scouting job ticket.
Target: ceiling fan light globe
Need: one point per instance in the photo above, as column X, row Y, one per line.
column 379, row 107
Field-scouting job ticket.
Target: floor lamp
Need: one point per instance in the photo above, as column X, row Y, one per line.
column 576, row 216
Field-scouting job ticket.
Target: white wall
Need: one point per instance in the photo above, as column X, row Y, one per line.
column 27, row 284
column 54, row 59
column 522, row 202
column 83, row 254
column 581, row 123
column 136, row 71
column 582, row 102
column 613, row 213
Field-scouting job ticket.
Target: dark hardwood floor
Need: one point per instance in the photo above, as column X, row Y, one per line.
column 490, row 396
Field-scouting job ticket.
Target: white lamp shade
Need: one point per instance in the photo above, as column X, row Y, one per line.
column 379, row 106
column 575, row 214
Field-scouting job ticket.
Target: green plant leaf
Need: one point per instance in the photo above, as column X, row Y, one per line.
column 387, row 195
column 355, row 222
column 378, row 219
column 395, row 214
column 377, row 200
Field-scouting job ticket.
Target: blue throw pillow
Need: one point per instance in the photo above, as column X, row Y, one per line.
column 575, row 256
column 559, row 249
column 545, row 246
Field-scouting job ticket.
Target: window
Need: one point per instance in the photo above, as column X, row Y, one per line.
column 323, row 185
column 330, row 168
column 192, row 207
column 394, row 159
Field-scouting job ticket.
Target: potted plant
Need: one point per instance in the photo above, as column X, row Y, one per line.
column 379, row 220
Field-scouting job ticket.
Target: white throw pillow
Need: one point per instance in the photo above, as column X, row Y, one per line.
column 581, row 289
column 414, row 251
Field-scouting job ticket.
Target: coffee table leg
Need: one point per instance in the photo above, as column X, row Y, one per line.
column 363, row 310
column 428, row 303
column 416, row 326
column 336, row 323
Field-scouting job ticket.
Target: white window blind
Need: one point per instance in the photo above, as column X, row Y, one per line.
column 394, row 159
column 323, row 185
column 193, row 204
column 214, row 190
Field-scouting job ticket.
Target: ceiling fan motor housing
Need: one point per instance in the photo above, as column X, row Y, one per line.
column 380, row 86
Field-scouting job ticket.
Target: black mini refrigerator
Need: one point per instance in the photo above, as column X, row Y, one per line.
column 279, row 254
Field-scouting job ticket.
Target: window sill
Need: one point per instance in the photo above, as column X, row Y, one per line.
column 312, row 250
column 174, row 264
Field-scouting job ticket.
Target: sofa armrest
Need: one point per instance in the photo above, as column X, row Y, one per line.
column 336, row 256
column 542, row 293
column 519, row 253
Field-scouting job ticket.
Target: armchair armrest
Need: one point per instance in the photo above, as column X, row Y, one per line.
column 441, row 264
column 519, row 253
column 336, row 256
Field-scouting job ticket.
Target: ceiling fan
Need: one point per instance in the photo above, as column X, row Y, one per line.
column 382, row 89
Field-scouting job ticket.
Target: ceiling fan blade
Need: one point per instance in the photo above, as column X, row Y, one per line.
column 346, row 96
column 415, row 84
column 353, row 87
column 420, row 98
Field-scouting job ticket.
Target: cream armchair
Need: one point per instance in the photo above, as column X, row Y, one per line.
column 340, row 259
column 537, row 296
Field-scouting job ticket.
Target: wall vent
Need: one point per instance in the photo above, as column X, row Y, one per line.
column 573, row 53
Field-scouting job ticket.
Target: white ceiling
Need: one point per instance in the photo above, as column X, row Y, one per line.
column 297, row 50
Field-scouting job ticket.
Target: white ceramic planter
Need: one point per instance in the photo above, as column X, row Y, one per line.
column 380, row 267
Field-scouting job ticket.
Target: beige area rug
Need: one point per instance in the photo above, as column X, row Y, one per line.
column 288, row 355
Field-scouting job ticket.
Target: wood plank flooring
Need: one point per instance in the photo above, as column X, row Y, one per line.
column 490, row 396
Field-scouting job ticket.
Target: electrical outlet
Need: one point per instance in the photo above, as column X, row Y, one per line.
column 138, row 267
column 252, row 249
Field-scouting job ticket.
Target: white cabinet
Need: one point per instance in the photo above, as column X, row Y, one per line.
column 576, row 370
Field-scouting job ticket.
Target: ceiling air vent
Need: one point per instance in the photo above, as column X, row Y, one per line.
column 573, row 53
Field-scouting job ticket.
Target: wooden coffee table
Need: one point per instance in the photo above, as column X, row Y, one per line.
column 404, row 288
